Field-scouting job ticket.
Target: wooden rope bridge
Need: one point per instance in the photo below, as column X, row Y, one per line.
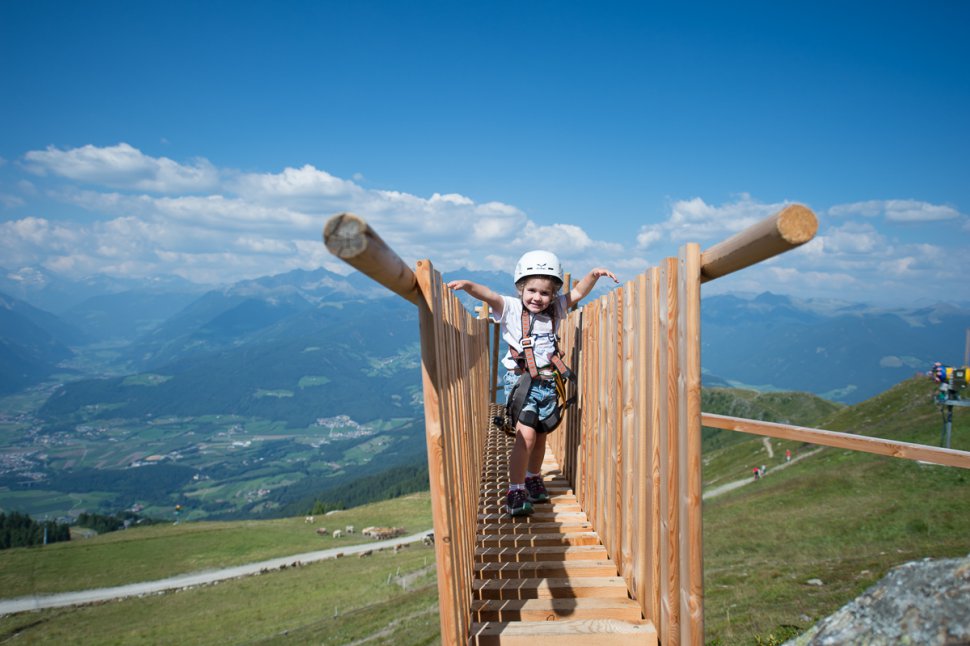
column 616, row 556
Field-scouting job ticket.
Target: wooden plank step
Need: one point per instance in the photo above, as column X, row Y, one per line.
column 497, row 492
column 536, row 569
column 525, row 540
column 601, row 587
column 540, row 516
column 558, row 553
column 562, row 526
column 494, row 506
column 578, row 632
column 555, row 609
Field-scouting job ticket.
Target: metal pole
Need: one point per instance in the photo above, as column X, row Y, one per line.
column 947, row 427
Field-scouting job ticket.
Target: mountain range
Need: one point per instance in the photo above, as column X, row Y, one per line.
column 842, row 351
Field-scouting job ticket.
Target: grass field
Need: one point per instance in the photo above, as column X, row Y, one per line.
column 841, row 517
column 390, row 596
column 160, row 551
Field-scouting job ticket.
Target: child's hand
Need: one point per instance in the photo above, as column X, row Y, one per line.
column 459, row 284
column 599, row 272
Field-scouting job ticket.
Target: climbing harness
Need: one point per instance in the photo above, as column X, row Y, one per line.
column 559, row 373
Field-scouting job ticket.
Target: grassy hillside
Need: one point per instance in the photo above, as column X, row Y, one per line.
column 841, row 517
column 160, row 551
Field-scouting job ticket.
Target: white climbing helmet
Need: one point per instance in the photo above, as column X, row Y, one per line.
column 538, row 263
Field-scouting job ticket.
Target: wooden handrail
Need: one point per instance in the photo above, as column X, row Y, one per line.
column 351, row 239
column 877, row 445
column 791, row 227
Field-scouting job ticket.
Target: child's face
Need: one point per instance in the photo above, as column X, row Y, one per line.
column 537, row 292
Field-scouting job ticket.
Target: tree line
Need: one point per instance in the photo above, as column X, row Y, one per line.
column 20, row 530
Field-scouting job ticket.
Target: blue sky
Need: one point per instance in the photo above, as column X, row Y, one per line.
column 213, row 140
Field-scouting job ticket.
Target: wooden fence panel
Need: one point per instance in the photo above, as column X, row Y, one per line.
column 454, row 367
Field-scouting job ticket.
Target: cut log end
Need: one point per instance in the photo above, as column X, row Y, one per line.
column 345, row 235
column 797, row 224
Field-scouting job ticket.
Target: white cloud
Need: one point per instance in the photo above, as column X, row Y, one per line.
column 695, row 220
column 151, row 215
column 897, row 210
column 122, row 167
column 11, row 201
column 126, row 212
column 294, row 183
column 852, row 238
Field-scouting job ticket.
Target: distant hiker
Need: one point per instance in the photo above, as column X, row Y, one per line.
column 787, row 455
column 763, row 469
column 534, row 381
column 756, row 472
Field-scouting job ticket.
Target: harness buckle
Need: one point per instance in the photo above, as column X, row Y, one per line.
column 526, row 342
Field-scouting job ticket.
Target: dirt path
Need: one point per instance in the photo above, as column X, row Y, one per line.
column 38, row 602
column 731, row 486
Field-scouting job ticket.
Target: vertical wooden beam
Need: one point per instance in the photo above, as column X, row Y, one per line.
column 670, row 585
column 629, row 492
column 450, row 618
column 655, row 425
column 689, row 442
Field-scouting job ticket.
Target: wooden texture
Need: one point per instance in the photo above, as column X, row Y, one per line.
column 791, row 227
column 879, row 446
column 544, row 569
column 454, row 368
column 631, row 447
column 616, row 557
column 351, row 239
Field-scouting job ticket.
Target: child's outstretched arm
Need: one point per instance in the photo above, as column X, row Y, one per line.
column 584, row 286
column 480, row 292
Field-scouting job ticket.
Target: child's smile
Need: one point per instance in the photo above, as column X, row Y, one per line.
column 537, row 294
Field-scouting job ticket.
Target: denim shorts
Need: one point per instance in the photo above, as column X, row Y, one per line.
column 542, row 398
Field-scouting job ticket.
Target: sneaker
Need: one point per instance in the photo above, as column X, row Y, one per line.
column 537, row 490
column 517, row 503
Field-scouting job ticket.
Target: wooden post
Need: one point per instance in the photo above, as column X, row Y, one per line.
column 792, row 226
column 351, row 239
column 691, row 487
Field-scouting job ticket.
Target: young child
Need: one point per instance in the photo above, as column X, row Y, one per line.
column 538, row 279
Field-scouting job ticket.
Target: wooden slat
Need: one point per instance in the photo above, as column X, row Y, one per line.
column 552, row 553
column 552, row 609
column 563, row 633
column 691, row 554
column 534, row 569
column 539, row 540
column 551, row 588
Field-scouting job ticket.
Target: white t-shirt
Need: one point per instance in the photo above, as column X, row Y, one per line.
column 543, row 334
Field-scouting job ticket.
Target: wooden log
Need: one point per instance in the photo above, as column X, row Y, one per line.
column 877, row 445
column 351, row 239
column 791, row 227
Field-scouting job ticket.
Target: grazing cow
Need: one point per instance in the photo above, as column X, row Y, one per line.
column 322, row 531
column 337, row 533
column 308, row 520
column 363, row 554
column 349, row 529
column 428, row 539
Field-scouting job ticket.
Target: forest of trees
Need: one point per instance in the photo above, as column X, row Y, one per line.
column 103, row 524
column 20, row 530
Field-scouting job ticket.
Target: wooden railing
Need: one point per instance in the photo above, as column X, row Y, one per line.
column 631, row 446
column 455, row 379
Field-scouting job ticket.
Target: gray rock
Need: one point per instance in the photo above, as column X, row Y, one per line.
column 922, row 602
